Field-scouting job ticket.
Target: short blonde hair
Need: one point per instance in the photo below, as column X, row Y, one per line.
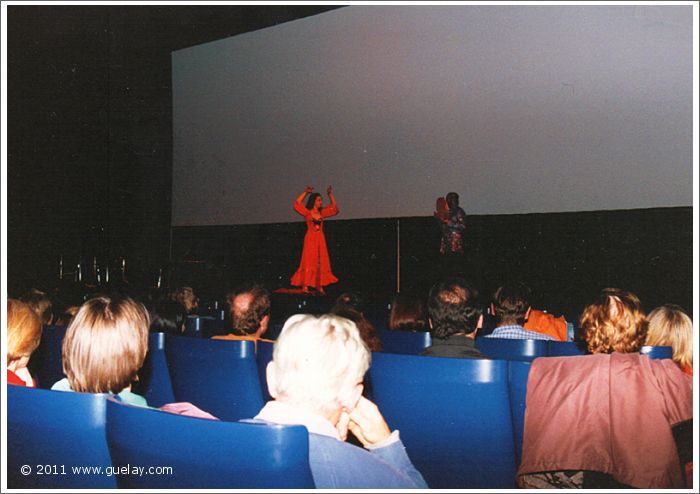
column 614, row 323
column 669, row 325
column 318, row 361
column 23, row 330
column 105, row 345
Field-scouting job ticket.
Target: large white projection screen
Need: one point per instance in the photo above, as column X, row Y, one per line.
column 519, row 109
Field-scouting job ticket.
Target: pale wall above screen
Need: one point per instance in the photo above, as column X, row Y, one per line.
column 519, row 109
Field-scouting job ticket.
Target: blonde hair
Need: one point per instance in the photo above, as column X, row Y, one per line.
column 105, row 345
column 23, row 330
column 614, row 323
column 669, row 325
column 318, row 361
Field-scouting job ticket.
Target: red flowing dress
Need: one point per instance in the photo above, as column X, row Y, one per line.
column 315, row 266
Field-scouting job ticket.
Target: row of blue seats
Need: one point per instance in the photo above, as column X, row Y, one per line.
column 56, row 440
column 448, row 410
column 408, row 343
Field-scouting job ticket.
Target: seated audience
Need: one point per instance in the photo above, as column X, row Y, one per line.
column 167, row 316
column 23, row 336
column 368, row 332
column 104, row 348
column 249, row 308
column 605, row 420
column 669, row 325
column 408, row 313
column 315, row 378
column 511, row 307
column 40, row 303
column 454, row 316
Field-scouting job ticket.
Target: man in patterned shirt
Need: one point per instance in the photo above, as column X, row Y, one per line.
column 511, row 306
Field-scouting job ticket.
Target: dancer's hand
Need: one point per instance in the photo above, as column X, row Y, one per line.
column 309, row 189
column 329, row 189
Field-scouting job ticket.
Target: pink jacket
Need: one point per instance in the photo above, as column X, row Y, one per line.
column 608, row 413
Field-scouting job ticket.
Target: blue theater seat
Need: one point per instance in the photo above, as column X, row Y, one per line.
column 263, row 356
column 453, row 415
column 506, row 349
column 154, row 377
column 404, row 342
column 518, row 372
column 47, row 429
column 206, row 454
column 219, row 376
column 566, row 348
column 657, row 352
column 46, row 363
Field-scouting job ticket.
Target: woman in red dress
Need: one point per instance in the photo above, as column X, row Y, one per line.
column 315, row 266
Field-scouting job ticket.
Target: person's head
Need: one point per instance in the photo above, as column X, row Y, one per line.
column 318, row 364
column 23, row 333
column 452, row 199
column 105, row 345
column 614, row 322
column 408, row 313
column 40, row 303
column 368, row 332
column 453, row 308
column 314, row 201
column 185, row 295
column 249, row 307
column 167, row 316
column 352, row 300
column 669, row 325
column 511, row 303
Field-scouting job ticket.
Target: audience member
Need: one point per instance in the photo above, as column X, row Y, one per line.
column 669, row 325
column 40, row 303
column 315, row 378
column 167, row 316
column 511, row 307
column 104, row 348
column 23, row 336
column 454, row 316
column 408, row 313
column 249, row 308
column 368, row 332
column 185, row 295
column 605, row 420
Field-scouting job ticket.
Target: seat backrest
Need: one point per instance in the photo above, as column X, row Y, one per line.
column 154, row 377
column 219, row 376
column 205, row 454
column 195, row 326
column 46, row 363
column 263, row 356
column 507, row 349
column 404, row 342
column 51, row 432
column 657, row 352
column 566, row 348
column 518, row 372
column 454, row 417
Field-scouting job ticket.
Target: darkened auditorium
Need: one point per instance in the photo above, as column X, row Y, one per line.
column 349, row 246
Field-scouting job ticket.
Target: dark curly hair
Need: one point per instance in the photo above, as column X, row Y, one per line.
column 453, row 307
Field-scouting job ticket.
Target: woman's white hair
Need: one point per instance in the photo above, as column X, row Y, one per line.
column 318, row 361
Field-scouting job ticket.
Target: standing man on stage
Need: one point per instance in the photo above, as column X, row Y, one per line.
column 453, row 224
